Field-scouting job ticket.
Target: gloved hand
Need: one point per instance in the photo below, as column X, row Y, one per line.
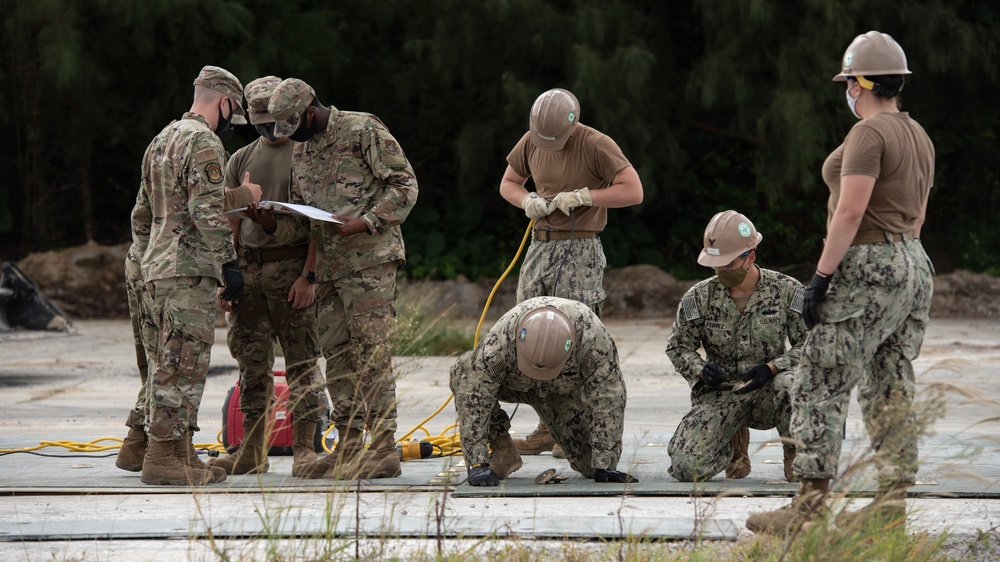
column 713, row 375
column 757, row 377
column 569, row 200
column 482, row 476
column 535, row 207
column 602, row 475
column 814, row 296
column 232, row 277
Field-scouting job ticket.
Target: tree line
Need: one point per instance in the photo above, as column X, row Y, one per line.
column 717, row 104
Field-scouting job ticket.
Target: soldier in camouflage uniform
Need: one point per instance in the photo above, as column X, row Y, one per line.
column 578, row 174
column 277, row 302
column 348, row 163
column 186, row 250
column 868, row 303
column 742, row 317
column 557, row 356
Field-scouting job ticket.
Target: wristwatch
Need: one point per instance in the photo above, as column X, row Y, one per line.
column 310, row 276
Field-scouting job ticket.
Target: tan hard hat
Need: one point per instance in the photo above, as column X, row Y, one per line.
column 553, row 116
column 873, row 54
column 545, row 337
column 728, row 235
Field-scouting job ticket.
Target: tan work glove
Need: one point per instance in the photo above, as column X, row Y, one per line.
column 535, row 207
column 569, row 200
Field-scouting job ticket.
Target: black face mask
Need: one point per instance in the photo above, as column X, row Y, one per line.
column 267, row 131
column 305, row 132
column 224, row 129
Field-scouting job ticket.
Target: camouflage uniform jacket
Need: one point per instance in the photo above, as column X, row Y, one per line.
column 177, row 222
column 707, row 317
column 355, row 168
column 592, row 376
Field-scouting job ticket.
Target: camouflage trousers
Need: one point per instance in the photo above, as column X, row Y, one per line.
column 873, row 324
column 702, row 443
column 571, row 269
column 571, row 423
column 144, row 334
column 356, row 314
column 184, row 308
column 262, row 314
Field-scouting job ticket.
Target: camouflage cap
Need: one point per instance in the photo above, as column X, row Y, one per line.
column 224, row 82
column 258, row 94
column 288, row 102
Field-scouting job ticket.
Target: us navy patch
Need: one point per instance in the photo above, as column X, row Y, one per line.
column 690, row 306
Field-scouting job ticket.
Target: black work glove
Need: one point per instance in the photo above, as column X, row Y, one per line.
column 233, row 279
column 757, row 377
column 602, row 475
column 713, row 375
column 814, row 296
column 482, row 476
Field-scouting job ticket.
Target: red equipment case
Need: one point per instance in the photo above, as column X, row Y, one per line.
column 281, row 435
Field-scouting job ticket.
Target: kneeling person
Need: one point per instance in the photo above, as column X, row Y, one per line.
column 555, row 355
column 742, row 317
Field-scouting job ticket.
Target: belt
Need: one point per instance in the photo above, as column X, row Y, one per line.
column 879, row 237
column 545, row 235
column 253, row 255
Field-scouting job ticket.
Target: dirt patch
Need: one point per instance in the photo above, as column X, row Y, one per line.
column 87, row 282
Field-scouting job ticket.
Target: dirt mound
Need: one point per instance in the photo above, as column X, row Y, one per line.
column 88, row 282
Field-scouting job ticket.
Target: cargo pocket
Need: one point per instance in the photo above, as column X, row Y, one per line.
column 835, row 341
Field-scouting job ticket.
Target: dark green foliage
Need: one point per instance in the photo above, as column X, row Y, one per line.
column 718, row 105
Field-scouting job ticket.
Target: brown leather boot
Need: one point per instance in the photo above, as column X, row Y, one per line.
column 888, row 507
column 739, row 466
column 536, row 442
column 303, row 450
column 251, row 457
column 132, row 451
column 350, row 447
column 162, row 467
column 788, row 454
column 504, row 459
column 381, row 460
column 808, row 504
column 185, row 450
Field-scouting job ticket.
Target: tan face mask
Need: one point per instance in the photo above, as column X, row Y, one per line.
column 730, row 279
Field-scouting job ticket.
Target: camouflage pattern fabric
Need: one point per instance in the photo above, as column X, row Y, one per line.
column 185, row 310
column 707, row 318
column 571, row 269
column 177, row 219
column 262, row 313
column 356, row 312
column 135, row 288
column 355, row 168
column 873, row 323
column 583, row 407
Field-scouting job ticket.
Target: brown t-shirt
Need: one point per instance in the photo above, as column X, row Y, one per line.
column 896, row 151
column 589, row 159
column 270, row 166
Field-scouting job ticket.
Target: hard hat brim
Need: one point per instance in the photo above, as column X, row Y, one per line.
column 533, row 372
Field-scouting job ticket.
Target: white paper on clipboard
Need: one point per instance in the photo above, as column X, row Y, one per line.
column 283, row 208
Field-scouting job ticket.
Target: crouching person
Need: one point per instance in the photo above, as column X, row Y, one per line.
column 555, row 355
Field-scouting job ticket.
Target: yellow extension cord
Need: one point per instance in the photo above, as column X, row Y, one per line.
column 444, row 443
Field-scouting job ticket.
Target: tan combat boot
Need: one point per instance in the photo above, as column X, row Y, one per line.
column 162, row 467
column 504, row 459
column 251, row 457
column 350, row 448
column 739, row 466
column 557, row 452
column 303, row 449
column 380, row 461
column 538, row 441
column 888, row 507
column 132, row 451
column 788, row 457
column 808, row 504
column 185, row 450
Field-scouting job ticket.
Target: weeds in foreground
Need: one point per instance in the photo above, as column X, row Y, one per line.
column 420, row 331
